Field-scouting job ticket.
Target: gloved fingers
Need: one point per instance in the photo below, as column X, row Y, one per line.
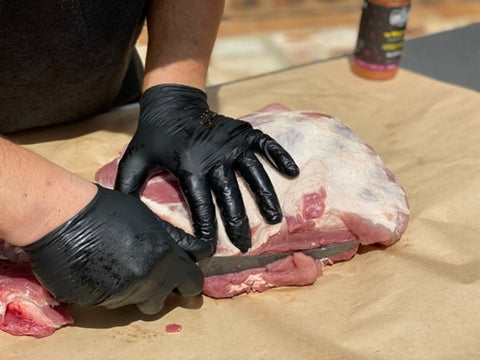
column 274, row 152
column 257, row 178
column 193, row 284
column 133, row 170
column 198, row 249
column 199, row 198
column 148, row 294
column 229, row 200
column 182, row 276
column 153, row 304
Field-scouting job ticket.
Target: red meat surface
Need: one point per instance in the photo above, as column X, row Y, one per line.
column 26, row 308
column 344, row 193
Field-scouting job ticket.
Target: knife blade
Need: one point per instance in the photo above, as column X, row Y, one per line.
column 221, row 265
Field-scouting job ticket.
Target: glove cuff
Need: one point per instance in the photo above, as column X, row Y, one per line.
column 48, row 239
column 173, row 93
column 51, row 257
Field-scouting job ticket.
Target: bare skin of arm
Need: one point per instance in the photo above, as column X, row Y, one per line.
column 181, row 35
column 36, row 196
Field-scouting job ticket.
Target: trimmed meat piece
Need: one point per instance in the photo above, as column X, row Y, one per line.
column 295, row 270
column 26, row 308
column 344, row 193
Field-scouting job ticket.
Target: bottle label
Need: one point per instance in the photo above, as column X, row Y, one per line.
column 380, row 36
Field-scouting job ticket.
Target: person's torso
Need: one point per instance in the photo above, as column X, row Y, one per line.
column 61, row 60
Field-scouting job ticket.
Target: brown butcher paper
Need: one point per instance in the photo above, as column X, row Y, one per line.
column 418, row 299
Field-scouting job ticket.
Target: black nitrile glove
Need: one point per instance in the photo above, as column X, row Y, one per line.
column 178, row 132
column 116, row 252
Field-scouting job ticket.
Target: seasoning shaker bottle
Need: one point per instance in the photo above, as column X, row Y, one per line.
column 380, row 38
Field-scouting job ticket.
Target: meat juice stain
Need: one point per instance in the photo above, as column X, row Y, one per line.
column 380, row 38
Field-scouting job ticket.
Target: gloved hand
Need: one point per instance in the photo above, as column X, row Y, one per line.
column 116, row 252
column 177, row 131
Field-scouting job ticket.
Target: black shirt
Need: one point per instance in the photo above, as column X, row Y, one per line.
column 63, row 60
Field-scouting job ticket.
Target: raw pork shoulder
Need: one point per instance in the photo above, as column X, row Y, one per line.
column 344, row 193
column 26, row 308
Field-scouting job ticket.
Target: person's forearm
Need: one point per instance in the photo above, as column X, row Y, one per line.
column 181, row 35
column 36, row 195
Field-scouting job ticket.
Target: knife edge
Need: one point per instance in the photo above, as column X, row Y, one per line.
column 221, row 265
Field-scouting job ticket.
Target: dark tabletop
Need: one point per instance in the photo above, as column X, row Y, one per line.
column 452, row 56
